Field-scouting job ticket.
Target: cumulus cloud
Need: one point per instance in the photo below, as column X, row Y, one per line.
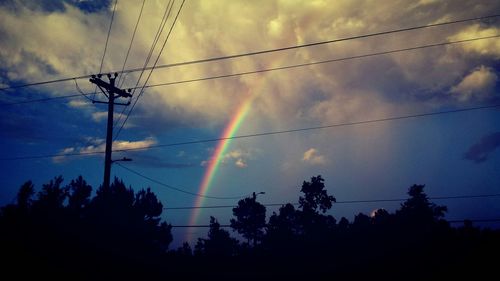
column 480, row 83
column 60, row 159
column 240, row 163
column 43, row 44
column 480, row 151
column 39, row 45
column 312, row 157
column 481, row 47
column 237, row 157
column 96, row 145
column 118, row 145
column 78, row 103
column 99, row 116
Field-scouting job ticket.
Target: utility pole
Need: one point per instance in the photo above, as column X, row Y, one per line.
column 113, row 93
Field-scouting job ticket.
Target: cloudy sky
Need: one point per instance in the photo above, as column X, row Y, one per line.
column 453, row 154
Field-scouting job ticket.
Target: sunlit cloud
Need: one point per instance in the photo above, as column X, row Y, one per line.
column 99, row 116
column 69, row 42
column 237, row 157
column 97, row 145
column 54, row 48
column 78, row 103
column 312, row 157
column 480, row 83
column 240, row 163
column 482, row 47
column 61, row 159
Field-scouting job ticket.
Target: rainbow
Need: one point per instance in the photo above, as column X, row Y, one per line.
column 218, row 154
column 231, row 128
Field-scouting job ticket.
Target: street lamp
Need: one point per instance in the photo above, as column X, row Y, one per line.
column 254, row 195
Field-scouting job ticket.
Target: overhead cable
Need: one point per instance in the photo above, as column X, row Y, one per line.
column 263, row 51
column 177, row 188
column 277, row 68
column 370, row 121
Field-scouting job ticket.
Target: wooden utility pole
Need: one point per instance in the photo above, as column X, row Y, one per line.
column 113, row 93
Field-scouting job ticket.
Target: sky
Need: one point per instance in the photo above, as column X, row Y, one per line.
column 452, row 154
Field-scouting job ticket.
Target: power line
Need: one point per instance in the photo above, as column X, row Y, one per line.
column 260, row 134
column 81, row 92
column 198, row 225
column 228, row 225
column 474, row 220
column 152, row 69
column 319, row 43
column 264, row 51
column 45, row 99
column 120, row 79
column 321, row 127
column 106, row 44
column 163, row 22
column 324, row 61
column 341, row 202
column 44, row 82
column 100, row 70
column 107, row 37
column 176, row 188
column 282, row 67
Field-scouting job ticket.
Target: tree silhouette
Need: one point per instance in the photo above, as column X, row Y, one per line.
column 52, row 196
column 285, row 223
column 25, row 195
column 218, row 244
column 79, row 194
column 283, row 230
column 63, row 230
column 361, row 222
column 119, row 234
column 185, row 250
column 117, row 210
column 418, row 210
column 343, row 224
column 314, row 203
column 315, row 196
column 301, row 232
column 148, row 205
column 381, row 217
column 250, row 219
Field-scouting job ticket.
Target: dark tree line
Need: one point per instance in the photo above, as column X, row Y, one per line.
column 63, row 232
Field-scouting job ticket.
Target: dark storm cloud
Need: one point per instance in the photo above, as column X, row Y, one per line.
column 17, row 126
column 480, row 151
column 41, row 122
column 32, row 129
column 49, row 6
column 91, row 6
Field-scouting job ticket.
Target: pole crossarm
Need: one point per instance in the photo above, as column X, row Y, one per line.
column 111, row 89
